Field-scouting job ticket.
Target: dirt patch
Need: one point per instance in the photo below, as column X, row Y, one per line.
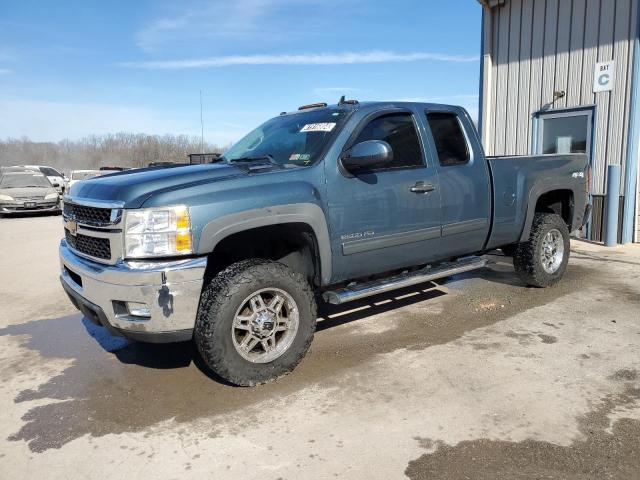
column 601, row 453
column 625, row 375
column 547, row 338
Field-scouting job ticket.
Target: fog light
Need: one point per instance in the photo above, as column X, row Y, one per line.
column 138, row 309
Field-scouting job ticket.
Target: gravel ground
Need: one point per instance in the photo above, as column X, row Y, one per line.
column 476, row 377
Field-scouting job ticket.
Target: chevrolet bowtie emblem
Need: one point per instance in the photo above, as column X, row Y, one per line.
column 72, row 226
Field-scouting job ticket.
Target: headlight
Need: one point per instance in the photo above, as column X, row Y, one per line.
column 51, row 196
column 7, row 198
column 157, row 232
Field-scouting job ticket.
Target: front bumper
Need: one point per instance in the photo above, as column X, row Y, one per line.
column 20, row 207
column 170, row 289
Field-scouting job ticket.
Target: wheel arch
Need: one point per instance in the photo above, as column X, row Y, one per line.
column 306, row 220
column 558, row 199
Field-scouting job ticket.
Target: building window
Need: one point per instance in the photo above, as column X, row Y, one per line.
column 399, row 131
column 449, row 138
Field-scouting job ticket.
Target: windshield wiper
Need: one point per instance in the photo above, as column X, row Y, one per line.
column 256, row 158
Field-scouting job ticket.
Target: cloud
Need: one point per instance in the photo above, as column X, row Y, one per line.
column 5, row 71
column 210, row 19
column 344, row 58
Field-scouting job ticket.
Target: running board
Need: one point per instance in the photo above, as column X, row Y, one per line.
column 356, row 291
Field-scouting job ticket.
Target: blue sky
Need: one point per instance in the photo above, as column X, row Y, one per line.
column 74, row 68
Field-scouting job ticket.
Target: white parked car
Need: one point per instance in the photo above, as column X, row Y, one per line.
column 77, row 175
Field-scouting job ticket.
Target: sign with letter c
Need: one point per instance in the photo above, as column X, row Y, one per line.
column 604, row 77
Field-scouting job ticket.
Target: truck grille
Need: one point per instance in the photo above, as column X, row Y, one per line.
column 92, row 246
column 88, row 215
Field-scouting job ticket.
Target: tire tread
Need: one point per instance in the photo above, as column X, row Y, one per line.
column 220, row 290
column 526, row 257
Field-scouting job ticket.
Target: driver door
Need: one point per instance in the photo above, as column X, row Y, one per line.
column 388, row 217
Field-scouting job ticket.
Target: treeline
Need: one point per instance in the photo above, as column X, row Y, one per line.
column 120, row 149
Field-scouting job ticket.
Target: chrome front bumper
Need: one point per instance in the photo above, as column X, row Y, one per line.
column 171, row 290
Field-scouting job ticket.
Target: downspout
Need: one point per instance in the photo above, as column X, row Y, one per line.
column 631, row 169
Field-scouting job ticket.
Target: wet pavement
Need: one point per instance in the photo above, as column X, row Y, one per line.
column 473, row 377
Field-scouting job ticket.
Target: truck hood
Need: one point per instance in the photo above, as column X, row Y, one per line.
column 133, row 187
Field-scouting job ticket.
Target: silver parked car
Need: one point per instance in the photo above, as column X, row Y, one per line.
column 57, row 179
column 27, row 191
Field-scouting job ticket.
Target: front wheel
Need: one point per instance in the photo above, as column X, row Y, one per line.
column 255, row 322
column 542, row 260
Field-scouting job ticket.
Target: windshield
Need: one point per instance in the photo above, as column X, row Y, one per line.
column 23, row 180
column 296, row 140
column 83, row 175
column 50, row 172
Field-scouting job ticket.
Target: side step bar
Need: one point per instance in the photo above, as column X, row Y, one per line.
column 356, row 291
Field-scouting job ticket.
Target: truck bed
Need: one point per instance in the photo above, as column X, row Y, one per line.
column 518, row 180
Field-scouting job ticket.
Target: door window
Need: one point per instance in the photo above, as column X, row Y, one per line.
column 451, row 144
column 399, row 131
column 569, row 134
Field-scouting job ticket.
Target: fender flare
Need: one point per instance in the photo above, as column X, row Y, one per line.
column 308, row 213
column 538, row 191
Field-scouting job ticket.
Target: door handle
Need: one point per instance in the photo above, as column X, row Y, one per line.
column 422, row 187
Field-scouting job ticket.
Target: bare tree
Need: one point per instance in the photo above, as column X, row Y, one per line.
column 118, row 149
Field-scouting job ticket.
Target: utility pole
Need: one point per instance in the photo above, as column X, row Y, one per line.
column 201, row 126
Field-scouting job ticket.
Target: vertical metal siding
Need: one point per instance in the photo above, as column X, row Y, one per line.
column 563, row 41
column 549, row 63
column 537, row 55
column 491, row 135
column 576, row 55
column 513, row 77
column 603, row 99
column 502, row 78
column 540, row 46
column 618, row 114
column 523, row 119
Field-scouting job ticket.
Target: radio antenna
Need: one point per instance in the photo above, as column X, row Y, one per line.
column 201, row 126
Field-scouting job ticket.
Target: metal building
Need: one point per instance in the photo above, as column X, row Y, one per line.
column 563, row 76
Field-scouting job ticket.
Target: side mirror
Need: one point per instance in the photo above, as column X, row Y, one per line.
column 367, row 155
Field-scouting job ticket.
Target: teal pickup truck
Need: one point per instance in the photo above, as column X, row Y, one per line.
column 327, row 202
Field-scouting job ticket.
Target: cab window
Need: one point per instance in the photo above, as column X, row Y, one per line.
column 399, row 131
column 449, row 138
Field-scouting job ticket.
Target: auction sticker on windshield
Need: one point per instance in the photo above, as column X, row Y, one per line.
column 318, row 127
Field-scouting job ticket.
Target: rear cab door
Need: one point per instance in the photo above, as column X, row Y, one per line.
column 465, row 183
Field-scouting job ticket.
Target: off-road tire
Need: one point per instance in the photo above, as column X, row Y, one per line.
column 527, row 258
column 220, row 299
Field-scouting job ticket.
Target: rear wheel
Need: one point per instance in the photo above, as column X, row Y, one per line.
column 255, row 322
column 542, row 260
